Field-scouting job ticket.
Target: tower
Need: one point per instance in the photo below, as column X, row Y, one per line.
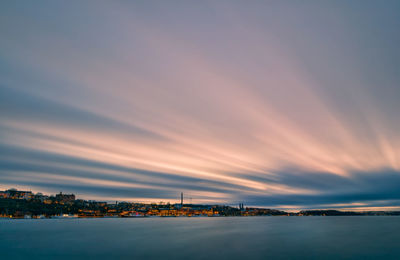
column 181, row 198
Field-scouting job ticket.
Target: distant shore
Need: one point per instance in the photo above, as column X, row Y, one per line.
column 27, row 205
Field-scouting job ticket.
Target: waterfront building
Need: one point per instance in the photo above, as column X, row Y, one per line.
column 64, row 198
column 17, row 194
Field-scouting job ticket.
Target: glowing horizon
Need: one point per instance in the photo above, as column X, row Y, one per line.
column 270, row 104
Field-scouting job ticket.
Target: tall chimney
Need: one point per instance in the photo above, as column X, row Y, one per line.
column 181, row 198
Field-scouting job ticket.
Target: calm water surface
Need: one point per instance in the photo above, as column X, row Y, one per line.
column 202, row 238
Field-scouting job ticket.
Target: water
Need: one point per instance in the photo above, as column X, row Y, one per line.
column 202, row 238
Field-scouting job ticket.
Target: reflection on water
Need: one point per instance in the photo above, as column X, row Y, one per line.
column 202, row 238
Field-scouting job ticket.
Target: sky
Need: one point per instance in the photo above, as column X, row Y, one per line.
column 280, row 104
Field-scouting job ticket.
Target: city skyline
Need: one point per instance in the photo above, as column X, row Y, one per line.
column 270, row 104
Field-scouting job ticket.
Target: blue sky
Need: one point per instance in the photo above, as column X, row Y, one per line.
column 282, row 104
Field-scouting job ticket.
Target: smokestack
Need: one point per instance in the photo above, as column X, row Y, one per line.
column 181, row 198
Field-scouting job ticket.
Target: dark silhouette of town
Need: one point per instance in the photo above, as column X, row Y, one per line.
column 25, row 204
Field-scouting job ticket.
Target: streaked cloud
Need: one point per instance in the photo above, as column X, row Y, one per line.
column 274, row 104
